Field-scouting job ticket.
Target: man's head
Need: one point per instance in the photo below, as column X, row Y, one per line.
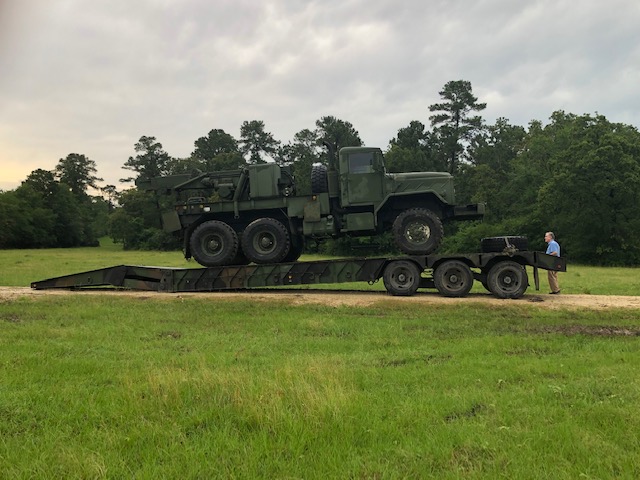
column 549, row 236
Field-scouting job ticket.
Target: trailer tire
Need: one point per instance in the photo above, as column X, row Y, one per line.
column 453, row 278
column 501, row 244
column 417, row 231
column 508, row 279
column 401, row 278
column 319, row 182
column 266, row 240
column 213, row 244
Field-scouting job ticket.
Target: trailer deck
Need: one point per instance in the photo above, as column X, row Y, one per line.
column 503, row 274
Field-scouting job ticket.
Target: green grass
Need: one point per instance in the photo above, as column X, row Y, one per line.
column 110, row 386
column 21, row 267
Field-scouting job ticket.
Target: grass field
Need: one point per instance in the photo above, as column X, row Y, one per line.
column 113, row 386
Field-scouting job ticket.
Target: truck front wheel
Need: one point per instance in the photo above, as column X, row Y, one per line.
column 214, row 243
column 417, row 231
column 266, row 240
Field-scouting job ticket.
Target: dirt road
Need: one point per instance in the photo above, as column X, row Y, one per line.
column 334, row 298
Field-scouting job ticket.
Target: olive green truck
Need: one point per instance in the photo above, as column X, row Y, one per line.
column 256, row 215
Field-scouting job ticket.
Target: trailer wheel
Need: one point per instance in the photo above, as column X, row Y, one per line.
column 266, row 240
column 319, row 183
column 417, row 231
column 401, row 278
column 453, row 278
column 214, row 243
column 508, row 279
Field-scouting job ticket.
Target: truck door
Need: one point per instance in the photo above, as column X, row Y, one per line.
column 364, row 180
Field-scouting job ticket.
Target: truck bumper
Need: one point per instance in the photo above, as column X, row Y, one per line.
column 472, row 211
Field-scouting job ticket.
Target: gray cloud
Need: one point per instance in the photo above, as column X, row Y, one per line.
column 92, row 77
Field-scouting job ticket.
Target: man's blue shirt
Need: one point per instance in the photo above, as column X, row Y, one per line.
column 553, row 247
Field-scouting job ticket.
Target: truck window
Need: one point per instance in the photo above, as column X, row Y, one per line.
column 361, row 162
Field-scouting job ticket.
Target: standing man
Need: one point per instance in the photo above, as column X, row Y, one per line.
column 552, row 249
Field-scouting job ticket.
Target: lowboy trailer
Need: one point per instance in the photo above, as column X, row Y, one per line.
column 502, row 274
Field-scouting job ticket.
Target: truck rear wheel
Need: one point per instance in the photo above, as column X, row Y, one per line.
column 266, row 240
column 401, row 278
column 508, row 279
column 417, row 231
column 214, row 243
column 453, row 278
column 295, row 250
column 240, row 258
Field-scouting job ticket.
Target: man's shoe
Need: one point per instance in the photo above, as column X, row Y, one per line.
column 554, row 293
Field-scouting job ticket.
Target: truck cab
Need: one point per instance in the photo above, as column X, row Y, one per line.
column 362, row 176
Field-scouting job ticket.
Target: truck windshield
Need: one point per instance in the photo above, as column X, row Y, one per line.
column 361, row 162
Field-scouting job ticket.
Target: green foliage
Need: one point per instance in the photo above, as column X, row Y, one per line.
column 452, row 121
column 492, row 152
column 594, row 191
column 414, row 149
column 24, row 221
column 137, row 225
column 43, row 212
column 151, row 161
column 256, row 143
column 215, row 143
column 337, row 133
column 215, row 152
column 300, row 155
column 78, row 172
column 222, row 161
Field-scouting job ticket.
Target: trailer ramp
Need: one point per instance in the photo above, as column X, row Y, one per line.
column 167, row 279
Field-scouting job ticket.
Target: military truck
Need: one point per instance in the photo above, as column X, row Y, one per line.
column 256, row 215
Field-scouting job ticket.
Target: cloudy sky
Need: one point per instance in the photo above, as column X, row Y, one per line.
column 91, row 77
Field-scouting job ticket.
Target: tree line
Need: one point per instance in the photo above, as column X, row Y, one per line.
column 578, row 175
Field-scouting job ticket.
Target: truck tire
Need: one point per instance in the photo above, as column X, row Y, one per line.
column 417, row 231
column 240, row 258
column 401, row 278
column 214, row 243
column 266, row 240
column 295, row 250
column 499, row 244
column 319, row 183
column 508, row 279
column 485, row 279
column 453, row 278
